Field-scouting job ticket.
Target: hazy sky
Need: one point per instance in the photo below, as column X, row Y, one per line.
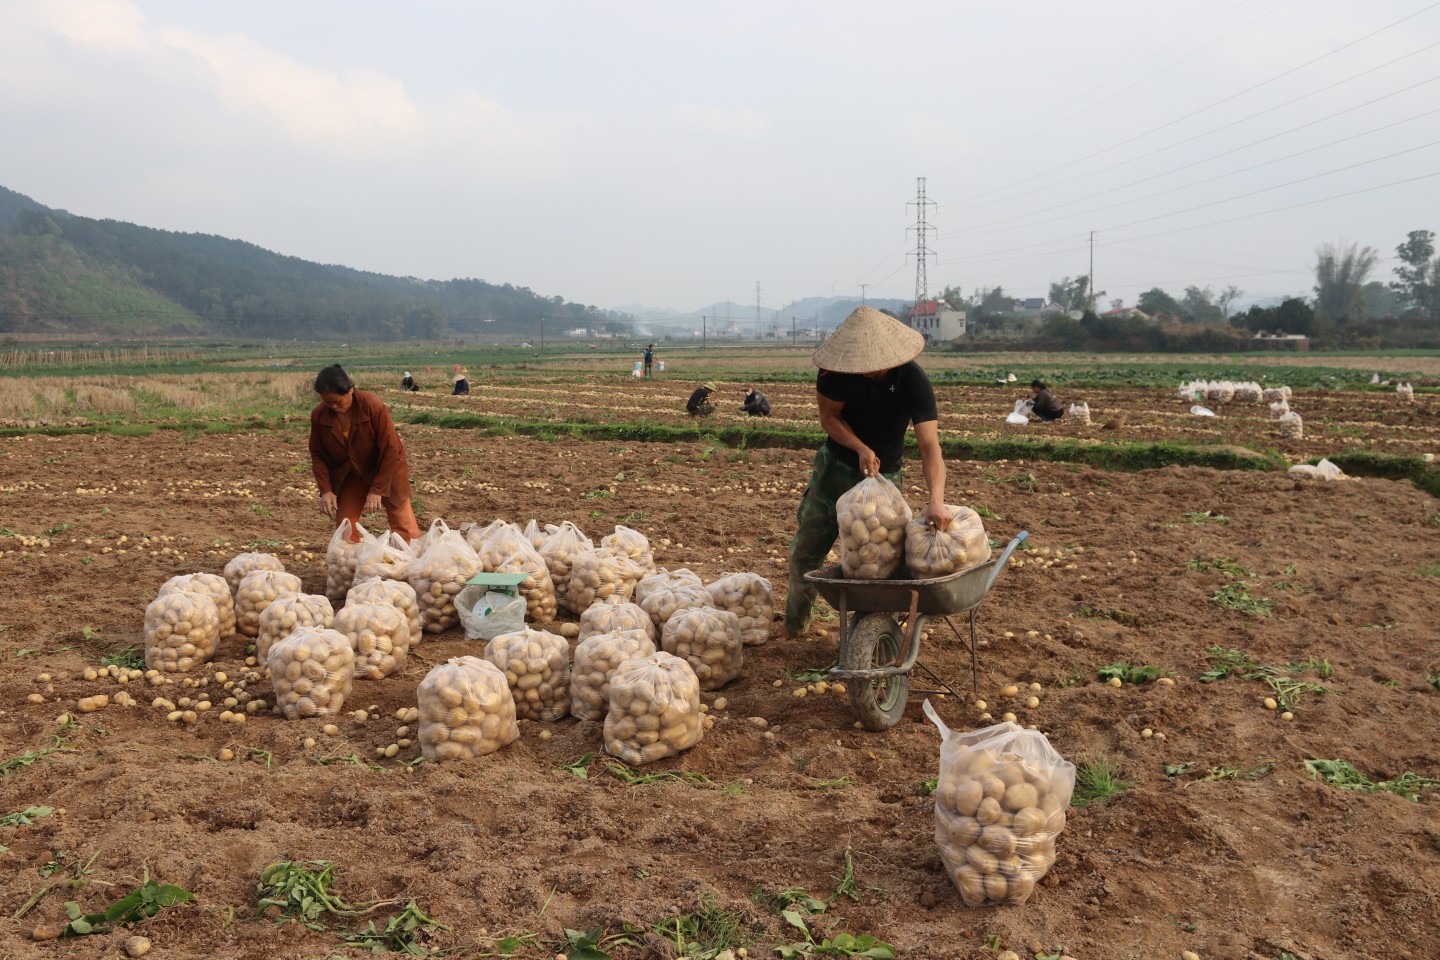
column 673, row 154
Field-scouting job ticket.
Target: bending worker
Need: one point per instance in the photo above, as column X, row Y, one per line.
column 408, row 383
column 869, row 390
column 357, row 457
column 699, row 404
column 756, row 403
column 1046, row 407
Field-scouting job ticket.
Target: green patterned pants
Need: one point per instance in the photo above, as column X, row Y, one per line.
column 818, row 530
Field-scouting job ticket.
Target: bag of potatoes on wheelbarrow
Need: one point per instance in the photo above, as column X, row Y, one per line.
column 1000, row 804
column 934, row 553
column 872, row 517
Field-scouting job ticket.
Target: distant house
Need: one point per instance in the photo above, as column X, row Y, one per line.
column 1034, row 307
column 937, row 320
column 577, row 332
column 1279, row 340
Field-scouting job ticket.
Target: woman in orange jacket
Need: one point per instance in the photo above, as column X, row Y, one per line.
column 357, row 457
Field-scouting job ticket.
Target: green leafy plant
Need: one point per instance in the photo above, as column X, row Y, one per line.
column 703, row 932
column 403, row 933
column 24, row 818
column 1434, row 680
column 25, row 759
column 1227, row 661
column 129, row 658
column 304, row 892
column 1222, row 564
column 833, row 945
column 1096, row 781
column 1343, row 774
column 1204, row 516
column 1128, row 674
column 621, row 772
column 594, row 944
column 1288, row 692
column 581, row 767
column 142, row 903
column 1177, row 769
column 1236, row 596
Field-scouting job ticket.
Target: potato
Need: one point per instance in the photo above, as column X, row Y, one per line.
column 597, row 657
column 281, row 617
column 182, row 631
column 667, row 580
column 438, row 575
column 244, row 563
column 466, row 710
column 598, row 574
column 388, row 556
column 341, row 556
column 380, row 635
column 935, row 553
column 215, row 587
column 709, row 640
column 625, row 542
column 663, row 598
column 502, row 548
column 536, row 666
column 558, row 550
column 397, row 593
column 614, row 615
column 750, row 597
column 661, row 690
column 312, row 671
column 872, row 516
column 257, row 591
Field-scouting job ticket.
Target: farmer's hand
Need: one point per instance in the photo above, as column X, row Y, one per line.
column 869, row 463
column 327, row 504
column 372, row 503
column 938, row 515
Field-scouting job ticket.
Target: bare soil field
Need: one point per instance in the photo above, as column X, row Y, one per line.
column 1223, row 843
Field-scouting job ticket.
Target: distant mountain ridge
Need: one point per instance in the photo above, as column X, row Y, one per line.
column 824, row 312
column 62, row 273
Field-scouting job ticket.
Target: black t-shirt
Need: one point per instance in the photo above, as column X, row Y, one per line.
column 697, row 399
column 880, row 410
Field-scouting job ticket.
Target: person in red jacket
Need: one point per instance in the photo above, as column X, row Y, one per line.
column 357, row 457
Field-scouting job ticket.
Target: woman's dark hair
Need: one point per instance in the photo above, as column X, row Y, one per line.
column 333, row 379
column 1038, row 385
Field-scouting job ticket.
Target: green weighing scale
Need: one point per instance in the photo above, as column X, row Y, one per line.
column 499, row 596
column 506, row 583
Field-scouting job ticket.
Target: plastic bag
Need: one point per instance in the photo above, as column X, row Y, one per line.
column 1200, row 411
column 380, row 635
column 182, row 631
column 750, row 597
column 1405, row 393
column 559, row 549
column 1291, row 426
column 213, row 586
column 438, row 575
column 654, row 709
column 1000, row 802
column 614, row 614
column 282, row 616
column 536, row 665
column 668, row 593
column 257, row 591
column 486, row 615
column 388, row 556
column 666, row 580
column 597, row 574
column 1021, row 414
column 535, row 533
column 244, row 563
column 438, row 529
column 1324, row 470
column 312, row 671
column 872, row 516
column 503, row 548
column 1080, row 413
column 709, row 640
column 597, row 657
column 466, row 710
column 1279, row 408
column 397, row 593
column 340, row 558
column 625, row 542
column 934, row 553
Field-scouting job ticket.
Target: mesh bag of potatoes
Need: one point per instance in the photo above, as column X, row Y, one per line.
column 280, row 618
column 1291, row 427
column 749, row 596
column 437, row 575
column 312, row 671
column 341, row 557
column 182, row 631
column 872, row 516
column 558, row 550
column 1000, row 802
column 535, row 533
column 257, row 591
column 388, row 557
column 666, row 593
column 934, row 553
column 597, row 657
column 438, row 529
column 709, row 640
column 243, row 563
column 397, row 593
column 503, row 548
column 213, row 586
column 654, row 709
column 626, row 542
column 597, row 574
column 380, row 635
column 536, row 665
column 466, row 710
column 614, row 615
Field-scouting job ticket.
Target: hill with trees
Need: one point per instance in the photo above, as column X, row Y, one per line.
column 67, row 274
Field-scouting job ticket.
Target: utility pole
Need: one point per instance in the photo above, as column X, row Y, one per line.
column 922, row 230
column 702, row 332
column 862, row 292
column 792, row 329
column 1090, row 290
column 542, row 334
column 757, row 309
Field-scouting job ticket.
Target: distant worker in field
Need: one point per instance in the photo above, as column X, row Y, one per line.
column 869, row 390
column 699, row 404
column 461, row 381
column 756, row 403
column 1046, row 407
column 407, row 382
column 357, row 457
column 649, row 357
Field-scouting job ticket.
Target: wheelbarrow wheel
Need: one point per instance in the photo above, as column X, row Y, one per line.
column 876, row 640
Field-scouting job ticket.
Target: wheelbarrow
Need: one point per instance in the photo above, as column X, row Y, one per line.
column 876, row 652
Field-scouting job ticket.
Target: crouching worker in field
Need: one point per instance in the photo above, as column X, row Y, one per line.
column 699, row 404
column 869, row 390
column 357, row 457
column 1046, row 407
column 408, row 383
column 756, row 403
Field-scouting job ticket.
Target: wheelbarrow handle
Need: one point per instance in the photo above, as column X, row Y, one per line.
column 1020, row 538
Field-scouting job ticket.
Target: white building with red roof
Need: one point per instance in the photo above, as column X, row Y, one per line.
column 937, row 320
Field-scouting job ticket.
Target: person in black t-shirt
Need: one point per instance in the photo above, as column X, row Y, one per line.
column 699, row 404
column 649, row 359
column 869, row 390
column 1046, row 407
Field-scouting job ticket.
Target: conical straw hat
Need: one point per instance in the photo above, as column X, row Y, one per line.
column 869, row 341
